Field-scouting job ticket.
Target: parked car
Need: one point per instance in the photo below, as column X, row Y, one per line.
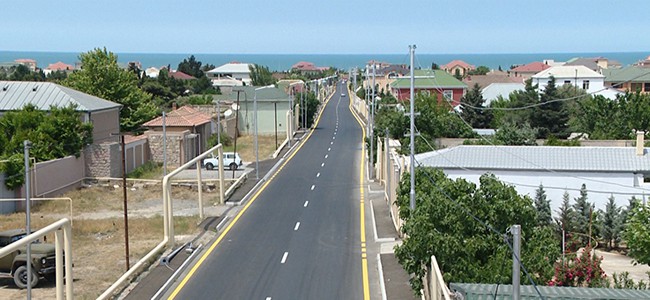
column 15, row 263
column 231, row 160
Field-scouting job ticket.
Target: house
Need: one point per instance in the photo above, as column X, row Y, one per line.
column 178, row 75
column 594, row 63
column 490, row 78
column 103, row 114
column 495, row 91
column 307, row 68
column 28, row 62
column 528, row 70
column 434, row 82
column 187, row 133
column 58, row 66
column 645, row 63
column 458, row 68
column 152, row 72
column 230, row 75
column 582, row 77
column 272, row 107
column 629, row 79
column 606, row 171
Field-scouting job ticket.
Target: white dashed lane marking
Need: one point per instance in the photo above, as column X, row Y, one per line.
column 312, row 187
column 284, row 257
column 306, row 203
column 317, row 175
column 297, row 226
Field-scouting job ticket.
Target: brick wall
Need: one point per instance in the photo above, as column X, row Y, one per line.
column 103, row 160
column 174, row 147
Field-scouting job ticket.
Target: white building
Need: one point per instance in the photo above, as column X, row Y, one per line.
column 606, row 171
column 230, row 74
column 581, row 77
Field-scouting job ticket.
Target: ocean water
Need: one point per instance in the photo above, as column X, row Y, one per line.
column 282, row 62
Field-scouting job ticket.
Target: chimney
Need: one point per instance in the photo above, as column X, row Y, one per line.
column 173, row 105
column 640, row 149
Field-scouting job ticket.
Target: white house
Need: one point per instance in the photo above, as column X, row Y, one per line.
column 581, row 77
column 230, row 74
column 606, row 171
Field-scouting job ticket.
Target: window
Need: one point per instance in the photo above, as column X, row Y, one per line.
column 635, row 86
column 448, row 94
column 567, row 82
column 585, row 84
column 646, row 87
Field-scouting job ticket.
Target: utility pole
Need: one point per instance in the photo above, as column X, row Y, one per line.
column 372, row 125
column 164, row 125
column 26, row 146
column 412, row 112
column 218, row 122
column 516, row 251
column 126, row 216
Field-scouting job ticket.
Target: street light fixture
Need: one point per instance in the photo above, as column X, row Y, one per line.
column 257, row 153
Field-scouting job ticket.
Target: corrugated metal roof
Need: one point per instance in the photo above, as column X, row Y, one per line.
column 477, row 291
column 609, row 159
column 14, row 95
column 231, row 68
column 494, row 90
column 429, row 79
column 568, row 72
column 631, row 73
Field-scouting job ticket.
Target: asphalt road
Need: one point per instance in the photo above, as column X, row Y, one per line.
column 299, row 238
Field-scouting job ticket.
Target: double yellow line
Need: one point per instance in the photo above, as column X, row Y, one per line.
column 364, row 254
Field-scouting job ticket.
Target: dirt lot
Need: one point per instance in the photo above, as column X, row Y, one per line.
column 98, row 226
column 98, row 232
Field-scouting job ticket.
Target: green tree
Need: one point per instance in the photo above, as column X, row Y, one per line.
column 637, row 234
column 611, row 225
column 261, row 76
column 481, row 70
column 583, row 217
column 520, row 100
column 551, row 116
column 473, row 111
column 467, row 251
column 543, row 206
column 101, row 76
column 191, row 66
column 566, row 219
column 56, row 134
column 511, row 134
column 23, row 73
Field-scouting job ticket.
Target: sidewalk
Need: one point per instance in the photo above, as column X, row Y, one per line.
column 395, row 279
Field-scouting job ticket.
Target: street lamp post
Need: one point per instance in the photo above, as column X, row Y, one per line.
column 257, row 152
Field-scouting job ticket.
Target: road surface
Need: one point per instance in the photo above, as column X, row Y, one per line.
column 300, row 236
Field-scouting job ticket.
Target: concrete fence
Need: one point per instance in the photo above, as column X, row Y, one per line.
column 434, row 286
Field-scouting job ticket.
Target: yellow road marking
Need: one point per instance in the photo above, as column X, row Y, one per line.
column 364, row 259
column 223, row 234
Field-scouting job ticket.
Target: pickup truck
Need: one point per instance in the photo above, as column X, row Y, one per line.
column 15, row 263
column 231, row 160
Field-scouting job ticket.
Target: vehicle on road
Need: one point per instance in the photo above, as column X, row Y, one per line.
column 231, row 160
column 15, row 263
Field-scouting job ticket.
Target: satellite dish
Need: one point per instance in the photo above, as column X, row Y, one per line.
column 234, row 106
column 227, row 113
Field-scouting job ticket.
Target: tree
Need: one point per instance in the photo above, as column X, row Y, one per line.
column 550, row 117
column 511, row 134
column 637, row 233
column 566, row 221
column 481, row 70
column 56, row 134
column 467, row 251
column 23, row 73
column 100, row 76
column 191, row 66
column 543, row 207
column 611, row 226
column 583, row 216
column 473, row 111
column 261, row 76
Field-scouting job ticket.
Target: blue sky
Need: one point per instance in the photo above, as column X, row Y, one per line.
column 334, row 26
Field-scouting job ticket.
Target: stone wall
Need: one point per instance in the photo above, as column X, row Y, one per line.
column 174, row 147
column 103, row 160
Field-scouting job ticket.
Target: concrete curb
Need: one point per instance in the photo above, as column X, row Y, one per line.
column 382, row 284
column 374, row 227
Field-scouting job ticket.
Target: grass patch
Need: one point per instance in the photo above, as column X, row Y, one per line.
column 149, row 170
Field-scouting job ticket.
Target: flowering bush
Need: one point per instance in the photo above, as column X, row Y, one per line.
column 581, row 271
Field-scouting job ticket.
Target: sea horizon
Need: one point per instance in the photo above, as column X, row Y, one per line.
column 284, row 61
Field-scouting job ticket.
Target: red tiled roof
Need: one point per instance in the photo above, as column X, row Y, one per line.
column 183, row 117
column 181, row 76
column 59, row 66
column 25, row 60
column 457, row 62
column 304, row 66
column 535, row 66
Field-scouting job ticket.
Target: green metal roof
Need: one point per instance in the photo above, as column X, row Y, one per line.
column 429, row 79
column 476, row 291
column 266, row 94
column 631, row 73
